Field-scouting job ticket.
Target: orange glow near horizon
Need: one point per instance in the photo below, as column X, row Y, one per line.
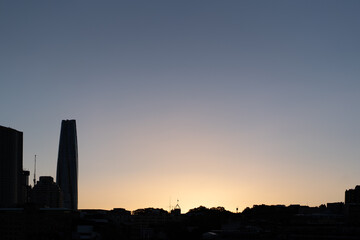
column 209, row 189
column 216, row 103
column 199, row 166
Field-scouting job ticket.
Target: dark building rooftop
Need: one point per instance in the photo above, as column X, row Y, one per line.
column 46, row 193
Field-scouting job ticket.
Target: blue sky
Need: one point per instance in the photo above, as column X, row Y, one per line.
column 228, row 103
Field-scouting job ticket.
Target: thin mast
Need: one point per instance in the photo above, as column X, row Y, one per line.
column 35, row 171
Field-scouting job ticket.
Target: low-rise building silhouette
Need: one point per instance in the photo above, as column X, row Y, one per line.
column 46, row 193
column 352, row 195
column 176, row 210
column 26, row 188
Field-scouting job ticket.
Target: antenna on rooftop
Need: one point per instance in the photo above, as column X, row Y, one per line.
column 35, row 170
column 177, row 204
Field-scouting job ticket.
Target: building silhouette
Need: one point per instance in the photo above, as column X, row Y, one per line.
column 11, row 167
column 46, row 193
column 25, row 186
column 67, row 165
column 352, row 196
column 177, row 209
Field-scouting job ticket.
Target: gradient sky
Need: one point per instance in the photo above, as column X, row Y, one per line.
column 214, row 103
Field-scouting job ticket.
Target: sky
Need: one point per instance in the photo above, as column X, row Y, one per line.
column 214, row 103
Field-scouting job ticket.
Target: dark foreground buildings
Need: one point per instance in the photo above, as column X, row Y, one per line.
column 352, row 196
column 12, row 176
column 46, row 193
column 67, row 165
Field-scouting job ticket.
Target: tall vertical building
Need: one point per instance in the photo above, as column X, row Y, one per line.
column 11, row 164
column 67, row 165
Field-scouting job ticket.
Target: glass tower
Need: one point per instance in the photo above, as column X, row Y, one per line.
column 67, row 165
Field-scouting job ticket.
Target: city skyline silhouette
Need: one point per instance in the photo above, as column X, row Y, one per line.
column 229, row 104
column 64, row 193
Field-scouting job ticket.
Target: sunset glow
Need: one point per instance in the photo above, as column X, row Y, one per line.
column 214, row 103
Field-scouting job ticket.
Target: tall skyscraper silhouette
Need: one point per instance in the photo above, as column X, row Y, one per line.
column 67, row 165
column 11, row 164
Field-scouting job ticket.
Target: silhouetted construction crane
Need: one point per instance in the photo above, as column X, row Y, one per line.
column 35, row 170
